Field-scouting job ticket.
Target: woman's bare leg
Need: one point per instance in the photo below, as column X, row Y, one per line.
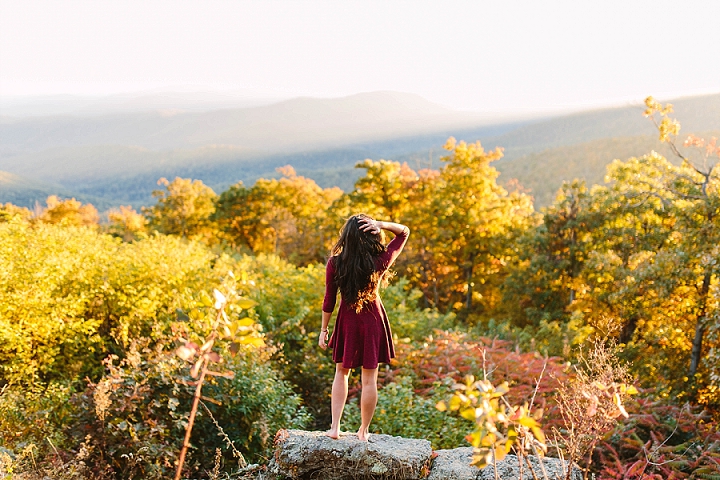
column 339, row 396
column 368, row 401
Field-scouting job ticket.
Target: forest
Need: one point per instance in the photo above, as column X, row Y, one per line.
column 596, row 318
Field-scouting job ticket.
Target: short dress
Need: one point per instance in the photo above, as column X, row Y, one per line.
column 363, row 338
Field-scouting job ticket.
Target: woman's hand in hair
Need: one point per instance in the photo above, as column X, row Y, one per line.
column 374, row 226
column 370, row 225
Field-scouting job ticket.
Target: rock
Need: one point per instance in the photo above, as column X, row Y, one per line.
column 455, row 465
column 312, row 455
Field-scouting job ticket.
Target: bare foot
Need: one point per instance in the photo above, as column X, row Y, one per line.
column 333, row 433
column 363, row 434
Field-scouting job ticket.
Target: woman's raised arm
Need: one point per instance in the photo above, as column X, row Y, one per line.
column 374, row 226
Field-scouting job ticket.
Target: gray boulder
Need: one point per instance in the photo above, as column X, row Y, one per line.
column 312, row 455
column 455, row 465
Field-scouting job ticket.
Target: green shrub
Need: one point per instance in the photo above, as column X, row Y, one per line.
column 138, row 413
column 407, row 320
column 401, row 412
column 35, row 416
column 549, row 337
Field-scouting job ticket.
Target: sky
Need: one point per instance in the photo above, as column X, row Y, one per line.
column 488, row 56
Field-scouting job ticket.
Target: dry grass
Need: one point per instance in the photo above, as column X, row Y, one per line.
column 591, row 404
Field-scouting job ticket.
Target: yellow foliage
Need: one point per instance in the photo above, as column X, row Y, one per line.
column 126, row 223
column 69, row 212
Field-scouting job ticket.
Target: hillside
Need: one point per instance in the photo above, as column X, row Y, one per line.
column 26, row 193
column 543, row 173
column 184, row 100
column 119, row 157
column 696, row 114
column 297, row 124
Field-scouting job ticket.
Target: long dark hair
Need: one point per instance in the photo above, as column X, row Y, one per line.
column 355, row 253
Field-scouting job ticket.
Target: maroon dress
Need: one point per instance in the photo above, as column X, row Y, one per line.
column 363, row 338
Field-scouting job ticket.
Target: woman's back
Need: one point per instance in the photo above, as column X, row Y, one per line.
column 362, row 336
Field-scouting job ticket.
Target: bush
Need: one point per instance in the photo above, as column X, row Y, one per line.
column 137, row 414
column 452, row 355
column 402, row 413
column 36, row 417
column 661, row 440
column 407, row 320
column 423, row 372
column 70, row 295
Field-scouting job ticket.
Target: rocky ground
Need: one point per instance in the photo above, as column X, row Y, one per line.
column 312, row 455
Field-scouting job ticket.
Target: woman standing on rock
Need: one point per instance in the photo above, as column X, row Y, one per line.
column 361, row 337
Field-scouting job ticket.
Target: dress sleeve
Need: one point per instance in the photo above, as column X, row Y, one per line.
column 394, row 248
column 330, row 287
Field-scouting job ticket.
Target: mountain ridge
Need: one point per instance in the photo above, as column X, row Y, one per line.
column 127, row 172
column 298, row 123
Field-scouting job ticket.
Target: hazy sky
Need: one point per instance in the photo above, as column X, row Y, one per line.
column 499, row 56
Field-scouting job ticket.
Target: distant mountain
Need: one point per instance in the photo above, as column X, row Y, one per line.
column 84, row 105
column 297, row 124
column 695, row 114
column 543, row 173
column 118, row 158
column 26, row 193
column 73, row 165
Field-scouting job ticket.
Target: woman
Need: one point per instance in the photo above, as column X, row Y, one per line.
column 361, row 337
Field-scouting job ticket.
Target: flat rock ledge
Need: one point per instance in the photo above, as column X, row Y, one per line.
column 455, row 465
column 301, row 455
column 312, row 455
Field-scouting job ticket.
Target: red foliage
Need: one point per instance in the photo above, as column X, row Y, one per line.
column 661, row 440
column 455, row 354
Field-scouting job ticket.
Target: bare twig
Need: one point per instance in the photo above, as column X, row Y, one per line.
column 537, row 385
column 532, row 470
column 191, row 421
column 494, row 461
column 196, row 398
column 540, row 459
column 236, row 453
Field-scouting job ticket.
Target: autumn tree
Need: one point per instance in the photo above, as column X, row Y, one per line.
column 10, row 212
column 126, row 223
column 694, row 186
column 424, row 262
column 286, row 216
column 475, row 221
column 659, row 267
column 649, row 274
column 544, row 281
column 385, row 191
column 391, row 190
column 183, row 208
column 69, row 212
